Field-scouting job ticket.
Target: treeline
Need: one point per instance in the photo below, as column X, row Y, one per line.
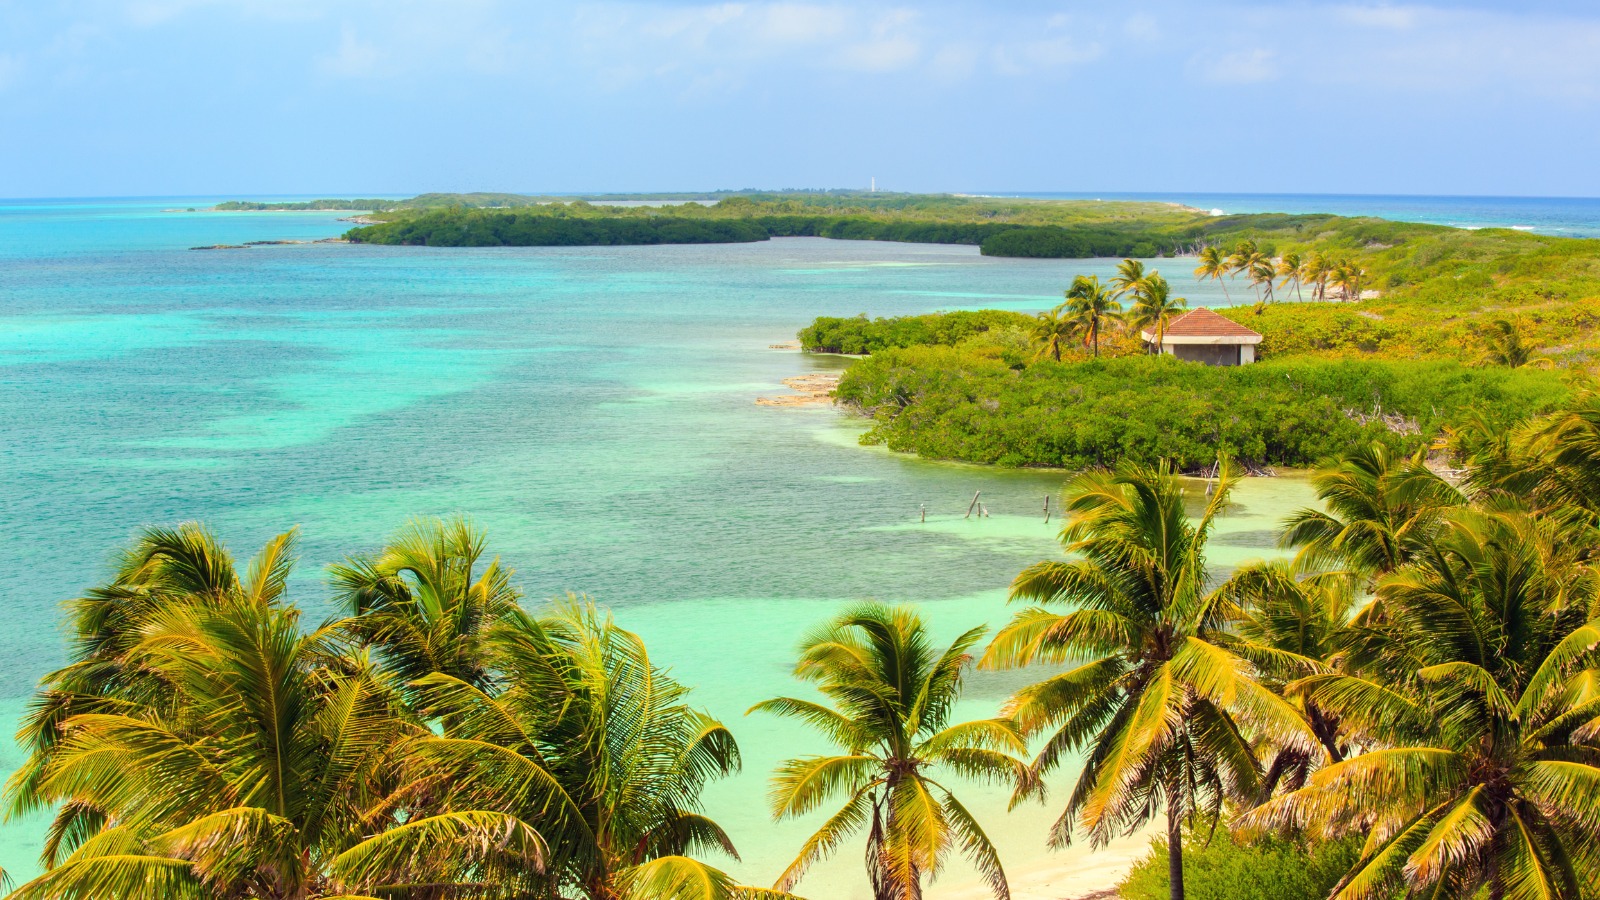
column 971, row 404
column 338, row 205
column 476, row 228
column 1066, row 229
column 859, row 335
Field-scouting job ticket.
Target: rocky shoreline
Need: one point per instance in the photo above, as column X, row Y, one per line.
column 815, row 389
column 248, row 244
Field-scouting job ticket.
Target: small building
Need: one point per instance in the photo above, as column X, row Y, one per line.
column 1202, row 336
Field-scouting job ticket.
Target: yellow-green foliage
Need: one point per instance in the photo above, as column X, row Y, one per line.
column 1220, row 869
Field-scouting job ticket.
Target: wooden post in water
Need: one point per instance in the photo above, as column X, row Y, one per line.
column 924, row 509
column 973, row 505
column 1047, row 509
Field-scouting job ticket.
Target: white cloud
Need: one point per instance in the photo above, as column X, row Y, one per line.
column 1024, row 57
column 354, row 58
column 1142, row 27
column 884, row 55
column 800, row 23
column 947, row 43
column 1240, row 67
column 954, row 62
column 1394, row 18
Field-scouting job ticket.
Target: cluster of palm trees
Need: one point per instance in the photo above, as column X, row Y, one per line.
column 1316, row 268
column 437, row 741
column 1423, row 676
column 1092, row 307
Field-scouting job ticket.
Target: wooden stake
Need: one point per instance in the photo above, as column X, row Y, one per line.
column 973, row 505
column 1047, row 509
column 924, row 508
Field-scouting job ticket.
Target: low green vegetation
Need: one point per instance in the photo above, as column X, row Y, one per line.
column 1218, row 867
column 1469, row 325
column 477, row 228
column 988, row 405
column 1410, row 707
column 860, row 335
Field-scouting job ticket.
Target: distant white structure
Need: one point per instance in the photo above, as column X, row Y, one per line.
column 874, row 188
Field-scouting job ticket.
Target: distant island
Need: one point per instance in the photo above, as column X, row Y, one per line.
column 1455, row 329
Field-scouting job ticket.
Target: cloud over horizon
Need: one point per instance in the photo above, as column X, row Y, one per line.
column 202, row 96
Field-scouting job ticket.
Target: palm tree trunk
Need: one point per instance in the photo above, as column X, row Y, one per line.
column 1225, row 289
column 1174, row 850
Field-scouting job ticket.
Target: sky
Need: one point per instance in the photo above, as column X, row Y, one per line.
column 394, row 97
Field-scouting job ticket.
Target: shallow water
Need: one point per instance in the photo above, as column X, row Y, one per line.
column 591, row 408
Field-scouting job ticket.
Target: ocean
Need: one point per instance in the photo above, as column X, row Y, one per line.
column 591, row 408
column 1560, row 216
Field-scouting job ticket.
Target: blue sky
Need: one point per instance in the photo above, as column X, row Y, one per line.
column 258, row 97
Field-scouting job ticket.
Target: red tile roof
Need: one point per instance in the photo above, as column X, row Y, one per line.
column 1203, row 322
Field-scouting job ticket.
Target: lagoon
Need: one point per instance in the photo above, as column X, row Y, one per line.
column 592, row 408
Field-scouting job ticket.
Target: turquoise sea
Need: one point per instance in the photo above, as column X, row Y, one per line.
column 592, row 408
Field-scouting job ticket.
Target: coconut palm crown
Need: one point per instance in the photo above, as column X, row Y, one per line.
column 1154, row 695
column 1379, row 510
column 1154, row 307
column 248, row 758
column 582, row 733
column 1053, row 327
column 1213, row 265
column 890, row 693
column 1481, row 776
column 1091, row 306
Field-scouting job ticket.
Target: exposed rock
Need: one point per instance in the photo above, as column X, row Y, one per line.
column 809, row 390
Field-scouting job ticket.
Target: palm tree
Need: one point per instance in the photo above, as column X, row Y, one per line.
column 582, row 733
column 1503, row 340
column 1154, row 307
column 163, row 567
column 1052, row 328
column 1316, row 269
column 1091, row 306
column 1160, row 701
column 1243, row 255
column 1482, row 772
column 261, row 767
column 891, row 692
column 1550, row 462
column 1347, row 277
column 1130, row 274
column 1290, row 621
column 1261, row 273
column 422, row 603
column 1213, row 265
column 1378, row 511
column 1289, row 267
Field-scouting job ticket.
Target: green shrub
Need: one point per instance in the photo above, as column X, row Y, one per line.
column 1273, row 869
column 968, row 403
column 860, row 335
